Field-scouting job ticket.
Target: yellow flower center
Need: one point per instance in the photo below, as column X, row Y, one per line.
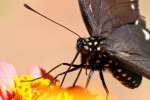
column 39, row 89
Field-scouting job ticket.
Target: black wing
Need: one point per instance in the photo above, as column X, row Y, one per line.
column 130, row 44
column 107, row 15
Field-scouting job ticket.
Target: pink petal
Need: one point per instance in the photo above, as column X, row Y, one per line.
column 1, row 98
column 7, row 72
column 35, row 71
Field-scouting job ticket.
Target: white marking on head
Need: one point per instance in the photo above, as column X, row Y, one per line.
column 129, row 78
column 91, row 38
column 87, row 39
column 133, row 82
column 119, row 70
column 95, row 43
column 98, row 48
column 90, row 43
column 90, row 49
column 147, row 34
column 124, row 74
column 86, row 47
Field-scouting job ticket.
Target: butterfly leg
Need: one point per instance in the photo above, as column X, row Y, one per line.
column 75, row 67
column 71, row 70
column 104, row 84
column 77, row 76
column 89, row 78
column 68, row 71
column 74, row 59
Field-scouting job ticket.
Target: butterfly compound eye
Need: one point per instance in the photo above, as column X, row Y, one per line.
column 82, row 46
column 81, row 43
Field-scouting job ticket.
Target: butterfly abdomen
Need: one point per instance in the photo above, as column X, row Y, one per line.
column 126, row 77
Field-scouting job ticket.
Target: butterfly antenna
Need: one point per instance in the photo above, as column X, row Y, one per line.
column 31, row 9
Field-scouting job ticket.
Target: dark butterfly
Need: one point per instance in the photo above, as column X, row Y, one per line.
column 119, row 41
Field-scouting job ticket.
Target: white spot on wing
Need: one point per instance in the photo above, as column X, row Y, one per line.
column 133, row 6
column 136, row 22
column 124, row 54
column 90, row 8
column 146, row 33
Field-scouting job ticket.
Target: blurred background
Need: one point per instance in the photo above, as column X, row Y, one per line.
column 27, row 39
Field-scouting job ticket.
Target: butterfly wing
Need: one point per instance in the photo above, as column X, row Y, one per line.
column 107, row 15
column 130, row 45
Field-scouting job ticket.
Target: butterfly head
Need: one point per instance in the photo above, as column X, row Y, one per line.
column 87, row 45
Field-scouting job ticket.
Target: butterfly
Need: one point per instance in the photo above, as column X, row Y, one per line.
column 119, row 40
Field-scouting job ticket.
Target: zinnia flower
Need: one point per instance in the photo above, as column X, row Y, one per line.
column 13, row 87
